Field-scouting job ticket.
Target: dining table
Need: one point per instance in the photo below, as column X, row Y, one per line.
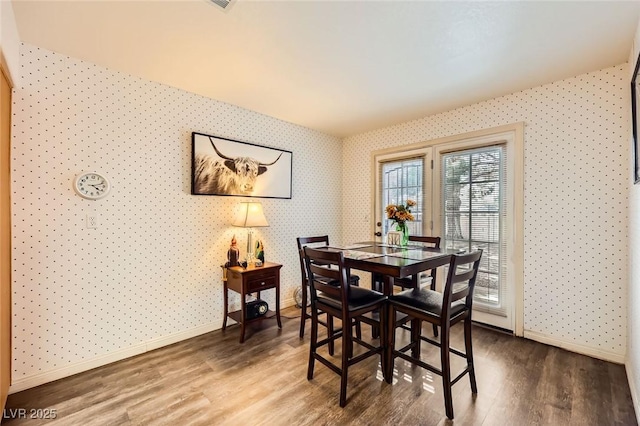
column 392, row 261
column 388, row 262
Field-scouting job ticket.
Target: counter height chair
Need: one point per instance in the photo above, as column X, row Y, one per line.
column 332, row 292
column 414, row 281
column 443, row 310
column 320, row 241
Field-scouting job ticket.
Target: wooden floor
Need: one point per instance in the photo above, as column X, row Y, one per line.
column 212, row 379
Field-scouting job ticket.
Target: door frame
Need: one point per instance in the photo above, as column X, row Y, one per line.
column 513, row 132
column 5, row 236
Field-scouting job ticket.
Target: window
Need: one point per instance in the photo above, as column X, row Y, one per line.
column 403, row 180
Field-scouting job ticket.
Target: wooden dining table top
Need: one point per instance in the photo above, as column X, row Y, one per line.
column 393, row 261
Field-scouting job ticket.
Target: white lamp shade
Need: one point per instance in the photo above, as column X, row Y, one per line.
column 250, row 215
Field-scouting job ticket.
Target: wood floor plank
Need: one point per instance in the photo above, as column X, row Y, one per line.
column 214, row 380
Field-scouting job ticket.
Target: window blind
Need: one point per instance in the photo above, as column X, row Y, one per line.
column 474, row 216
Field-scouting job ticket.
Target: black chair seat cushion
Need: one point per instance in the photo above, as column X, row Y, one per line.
column 403, row 282
column 359, row 298
column 425, row 300
column 408, row 282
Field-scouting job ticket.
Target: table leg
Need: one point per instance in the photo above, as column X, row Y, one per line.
column 387, row 283
column 243, row 316
column 278, row 306
column 387, row 367
column 226, row 304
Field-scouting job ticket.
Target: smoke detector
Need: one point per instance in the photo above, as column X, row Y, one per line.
column 223, row 4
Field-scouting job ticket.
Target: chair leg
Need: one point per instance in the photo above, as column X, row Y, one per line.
column 469, row 351
column 358, row 330
column 446, row 371
column 313, row 343
column 303, row 316
column 433, row 287
column 346, row 344
column 390, row 342
column 416, row 331
column 330, row 345
column 354, row 323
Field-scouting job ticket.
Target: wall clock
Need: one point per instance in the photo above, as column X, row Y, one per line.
column 91, row 185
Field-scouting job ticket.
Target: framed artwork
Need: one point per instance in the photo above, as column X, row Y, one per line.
column 223, row 166
column 635, row 117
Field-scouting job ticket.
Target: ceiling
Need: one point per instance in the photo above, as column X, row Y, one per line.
column 340, row 67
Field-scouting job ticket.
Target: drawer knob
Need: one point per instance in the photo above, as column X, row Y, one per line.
column 262, row 283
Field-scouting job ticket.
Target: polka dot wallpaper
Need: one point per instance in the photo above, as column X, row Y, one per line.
column 151, row 268
column 576, row 197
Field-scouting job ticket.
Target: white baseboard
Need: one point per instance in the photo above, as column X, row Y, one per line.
column 149, row 345
column 574, row 347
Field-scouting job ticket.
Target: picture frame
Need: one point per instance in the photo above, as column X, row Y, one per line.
column 635, row 117
column 227, row 167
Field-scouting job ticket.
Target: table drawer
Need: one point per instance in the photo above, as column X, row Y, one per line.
column 260, row 283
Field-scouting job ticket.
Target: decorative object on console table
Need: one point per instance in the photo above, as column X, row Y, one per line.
column 226, row 167
column 248, row 281
column 233, row 254
column 250, row 215
column 259, row 253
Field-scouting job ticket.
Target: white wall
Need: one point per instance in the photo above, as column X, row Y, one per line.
column 149, row 275
column 576, row 186
column 633, row 335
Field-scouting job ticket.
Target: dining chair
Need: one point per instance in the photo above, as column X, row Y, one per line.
column 444, row 310
column 394, row 238
column 332, row 292
column 414, row 281
column 319, row 241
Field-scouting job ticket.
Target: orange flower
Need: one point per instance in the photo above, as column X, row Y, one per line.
column 400, row 213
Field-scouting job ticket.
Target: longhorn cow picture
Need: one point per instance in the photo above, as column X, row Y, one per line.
column 228, row 167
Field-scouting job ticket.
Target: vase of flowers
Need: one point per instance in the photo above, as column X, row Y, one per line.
column 401, row 214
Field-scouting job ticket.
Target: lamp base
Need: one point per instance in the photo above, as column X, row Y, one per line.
column 250, row 256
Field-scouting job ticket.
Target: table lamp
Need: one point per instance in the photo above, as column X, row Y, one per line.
column 250, row 215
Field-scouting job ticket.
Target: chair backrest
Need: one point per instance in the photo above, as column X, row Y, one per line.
column 327, row 274
column 433, row 242
column 322, row 240
column 461, row 280
column 394, row 237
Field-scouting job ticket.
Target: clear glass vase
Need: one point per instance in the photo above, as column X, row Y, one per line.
column 404, row 230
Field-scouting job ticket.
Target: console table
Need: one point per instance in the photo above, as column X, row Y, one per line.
column 254, row 279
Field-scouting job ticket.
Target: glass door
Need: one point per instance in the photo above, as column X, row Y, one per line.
column 474, row 216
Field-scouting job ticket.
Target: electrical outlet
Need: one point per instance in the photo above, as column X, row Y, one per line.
column 92, row 220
